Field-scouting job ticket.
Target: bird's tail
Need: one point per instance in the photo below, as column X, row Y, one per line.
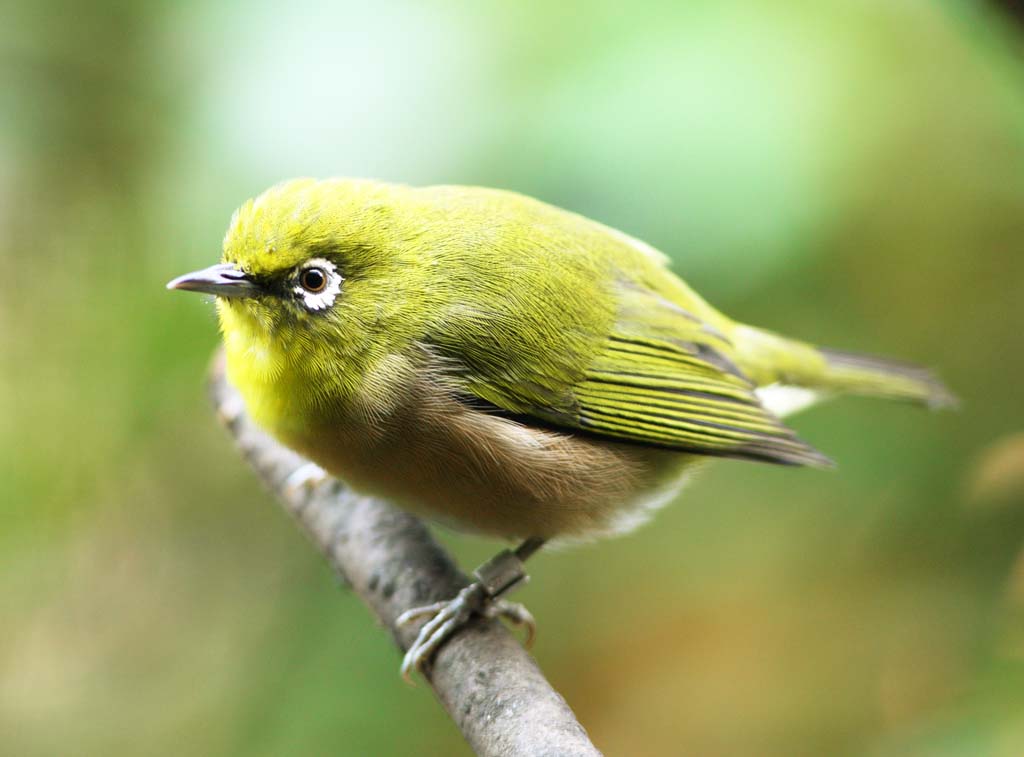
column 880, row 377
column 774, row 359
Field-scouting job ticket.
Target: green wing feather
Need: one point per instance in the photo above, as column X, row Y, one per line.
column 586, row 329
column 664, row 377
column 675, row 400
column 659, row 376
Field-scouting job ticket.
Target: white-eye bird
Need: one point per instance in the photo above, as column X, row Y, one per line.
column 489, row 361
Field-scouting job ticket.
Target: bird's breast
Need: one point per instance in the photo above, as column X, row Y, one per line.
column 441, row 459
column 403, row 437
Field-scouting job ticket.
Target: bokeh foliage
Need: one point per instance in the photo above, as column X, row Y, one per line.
column 848, row 172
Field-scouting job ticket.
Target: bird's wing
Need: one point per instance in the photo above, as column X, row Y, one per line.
column 659, row 376
column 667, row 378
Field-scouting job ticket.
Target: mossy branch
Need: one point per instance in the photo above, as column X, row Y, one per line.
column 490, row 686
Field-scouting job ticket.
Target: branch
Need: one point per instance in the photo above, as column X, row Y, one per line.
column 490, row 686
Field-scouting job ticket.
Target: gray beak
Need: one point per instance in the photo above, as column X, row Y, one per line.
column 222, row 280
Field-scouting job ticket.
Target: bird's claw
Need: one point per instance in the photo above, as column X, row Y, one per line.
column 446, row 618
column 516, row 614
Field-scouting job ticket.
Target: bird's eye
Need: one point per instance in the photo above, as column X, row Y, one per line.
column 313, row 280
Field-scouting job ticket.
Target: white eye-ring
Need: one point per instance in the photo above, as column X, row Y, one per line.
column 318, row 284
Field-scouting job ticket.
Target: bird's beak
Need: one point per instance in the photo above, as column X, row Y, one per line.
column 222, row 280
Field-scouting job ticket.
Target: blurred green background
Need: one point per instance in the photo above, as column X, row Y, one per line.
column 847, row 172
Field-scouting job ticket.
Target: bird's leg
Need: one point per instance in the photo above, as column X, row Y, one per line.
column 494, row 578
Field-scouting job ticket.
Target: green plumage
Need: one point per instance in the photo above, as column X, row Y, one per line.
column 509, row 308
column 500, row 365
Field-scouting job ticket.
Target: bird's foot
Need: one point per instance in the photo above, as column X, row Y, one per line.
column 307, row 476
column 448, row 617
column 482, row 597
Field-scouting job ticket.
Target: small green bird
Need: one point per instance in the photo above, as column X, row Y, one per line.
column 492, row 362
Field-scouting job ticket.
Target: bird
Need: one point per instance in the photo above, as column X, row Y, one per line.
column 495, row 363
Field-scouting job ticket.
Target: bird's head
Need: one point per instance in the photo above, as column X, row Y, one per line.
column 307, row 257
column 315, row 275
